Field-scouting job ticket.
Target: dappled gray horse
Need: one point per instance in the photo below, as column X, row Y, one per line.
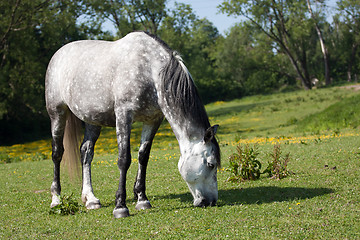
column 137, row 78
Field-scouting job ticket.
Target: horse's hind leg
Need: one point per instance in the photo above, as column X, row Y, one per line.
column 148, row 133
column 58, row 121
column 87, row 153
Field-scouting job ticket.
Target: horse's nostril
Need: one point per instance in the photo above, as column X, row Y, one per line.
column 212, row 204
column 210, row 165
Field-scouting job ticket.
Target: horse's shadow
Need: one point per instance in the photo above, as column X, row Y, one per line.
column 257, row 195
column 246, row 196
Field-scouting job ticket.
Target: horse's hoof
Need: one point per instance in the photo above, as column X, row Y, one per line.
column 121, row 212
column 53, row 204
column 93, row 205
column 55, row 201
column 142, row 205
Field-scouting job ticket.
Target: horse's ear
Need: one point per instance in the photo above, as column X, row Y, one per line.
column 210, row 133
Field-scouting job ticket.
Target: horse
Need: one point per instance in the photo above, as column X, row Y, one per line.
column 94, row 83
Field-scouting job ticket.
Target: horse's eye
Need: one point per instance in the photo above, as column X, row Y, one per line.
column 210, row 165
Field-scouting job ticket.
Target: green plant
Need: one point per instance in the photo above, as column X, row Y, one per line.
column 244, row 164
column 277, row 168
column 67, row 206
column 5, row 158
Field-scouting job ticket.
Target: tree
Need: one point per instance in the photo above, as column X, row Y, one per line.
column 246, row 60
column 285, row 22
column 31, row 31
column 322, row 44
column 195, row 39
column 176, row 28
column 127, row 15
column 348, row 25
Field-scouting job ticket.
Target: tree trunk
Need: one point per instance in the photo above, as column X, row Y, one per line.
column 351, row 62
column 323, row 47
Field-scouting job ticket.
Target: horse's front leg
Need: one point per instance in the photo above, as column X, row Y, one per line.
column 147, row 136
column 87, row 153
column 123, row 129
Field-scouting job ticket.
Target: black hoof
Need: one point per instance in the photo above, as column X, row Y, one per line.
column 121, row 212
column 142, row 205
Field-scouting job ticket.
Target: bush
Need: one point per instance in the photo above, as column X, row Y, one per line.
column 245, row 165
column 277, row 168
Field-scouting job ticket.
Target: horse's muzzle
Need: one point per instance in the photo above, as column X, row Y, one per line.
column 202, row 202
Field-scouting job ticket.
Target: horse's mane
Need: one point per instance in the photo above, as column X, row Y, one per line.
column 181, row 93
column 179, row 88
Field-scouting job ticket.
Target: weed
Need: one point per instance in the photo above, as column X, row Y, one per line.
column 277, row 168
column 67, row 206
column 5, row 158
column 244, row 164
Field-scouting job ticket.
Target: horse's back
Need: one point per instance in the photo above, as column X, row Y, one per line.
column 94, row 78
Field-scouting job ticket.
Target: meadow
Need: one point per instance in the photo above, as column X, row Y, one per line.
column 320, row 200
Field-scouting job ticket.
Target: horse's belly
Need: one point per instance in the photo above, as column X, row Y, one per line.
column 148, row 115
column 103, row 113
column 102, row 116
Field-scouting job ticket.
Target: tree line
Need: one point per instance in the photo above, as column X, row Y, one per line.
column 277, row 45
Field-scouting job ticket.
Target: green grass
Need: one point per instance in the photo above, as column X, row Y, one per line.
column 320, row 201
column 343, row 114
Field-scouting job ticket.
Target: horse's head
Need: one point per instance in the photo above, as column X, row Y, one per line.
column 198, row 167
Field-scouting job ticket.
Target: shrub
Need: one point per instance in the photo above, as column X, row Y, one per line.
column 277, row 167
column 244, row 164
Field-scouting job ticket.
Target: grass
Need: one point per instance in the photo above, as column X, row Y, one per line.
column 320, row 201
column 342, row 114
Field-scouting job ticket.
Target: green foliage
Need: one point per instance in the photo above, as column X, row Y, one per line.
column 244, row 164
column 277, row 167
column 346, row 56
column 126, row 16
column 67, row 206
column 31, row 31
column 246, row 59
column 195, row 39
column 285, row 25
column 6, row 158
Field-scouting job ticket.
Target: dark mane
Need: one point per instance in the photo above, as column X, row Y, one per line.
column 181, row 93
column 179, row 88
column 159, row 40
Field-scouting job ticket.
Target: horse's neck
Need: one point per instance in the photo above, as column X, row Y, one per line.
column 186, row 132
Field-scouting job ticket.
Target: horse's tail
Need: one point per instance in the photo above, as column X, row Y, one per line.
column 72, row 138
